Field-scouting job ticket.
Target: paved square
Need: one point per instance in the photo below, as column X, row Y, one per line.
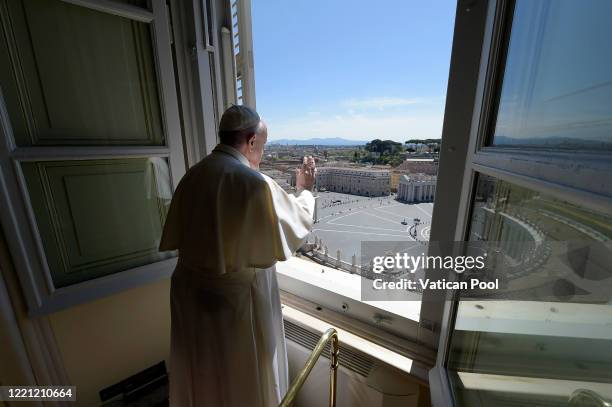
column 347, row 220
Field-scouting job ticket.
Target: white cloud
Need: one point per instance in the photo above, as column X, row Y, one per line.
column 380, row 103
column 398, row 127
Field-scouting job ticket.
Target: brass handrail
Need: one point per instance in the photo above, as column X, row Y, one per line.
column 329, row 335
column 585, row 397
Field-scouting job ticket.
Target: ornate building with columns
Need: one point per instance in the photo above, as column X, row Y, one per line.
column 356, row 181
column 417, row 188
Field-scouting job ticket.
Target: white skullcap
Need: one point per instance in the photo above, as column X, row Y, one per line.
column 237, row 118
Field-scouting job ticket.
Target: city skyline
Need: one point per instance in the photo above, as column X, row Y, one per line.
column 328, row 77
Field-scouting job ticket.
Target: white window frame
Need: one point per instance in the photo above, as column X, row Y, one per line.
column 477, row 66
column 242, row 39
column 17, row 216
column 200, row 69
column 405, row 336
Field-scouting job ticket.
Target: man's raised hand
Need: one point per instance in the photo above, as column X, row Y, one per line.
column 305, row 175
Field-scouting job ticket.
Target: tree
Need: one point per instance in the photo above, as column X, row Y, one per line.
column 425, row 141
column 396, row 160
column 380, row 146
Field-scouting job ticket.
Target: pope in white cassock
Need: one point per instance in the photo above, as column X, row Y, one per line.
column 231, row 224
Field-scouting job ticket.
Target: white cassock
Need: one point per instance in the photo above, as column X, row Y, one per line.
column 231, row 224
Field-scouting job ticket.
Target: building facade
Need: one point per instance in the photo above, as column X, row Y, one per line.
column 355, row 181
column 427, row 166
column 395, row 178
column 417, row 188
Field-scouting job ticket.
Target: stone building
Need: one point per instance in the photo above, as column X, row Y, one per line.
column 427, row 166
column 417, row 188
column 355, row 181
column 395, row 178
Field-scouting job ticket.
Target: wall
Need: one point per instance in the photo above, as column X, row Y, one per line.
column 110, row 339
column 15, row 366
column 99, row 342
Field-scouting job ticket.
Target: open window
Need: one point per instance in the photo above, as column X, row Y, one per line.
column 240, row 41
column 537, row 170
column 526, row 156
column 359, row 197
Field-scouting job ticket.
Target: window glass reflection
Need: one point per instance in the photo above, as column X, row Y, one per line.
column 557, row 84
column 533, row 352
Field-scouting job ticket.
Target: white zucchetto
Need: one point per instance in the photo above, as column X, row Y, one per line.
column 239, row 117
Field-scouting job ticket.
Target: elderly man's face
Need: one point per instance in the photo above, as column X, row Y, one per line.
column 256, row 153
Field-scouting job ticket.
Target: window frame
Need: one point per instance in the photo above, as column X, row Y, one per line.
column 200, row 68
column 313, row 300
column 481, row 29
column 244, row 69
column 542, row 169
column 403, row 335
column 18, row 220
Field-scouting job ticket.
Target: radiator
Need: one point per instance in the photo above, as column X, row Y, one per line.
column 362, row 380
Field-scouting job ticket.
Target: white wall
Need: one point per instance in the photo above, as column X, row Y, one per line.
column 105, row 341
column 99, row 342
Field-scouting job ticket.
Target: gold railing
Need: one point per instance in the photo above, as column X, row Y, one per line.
column 329, row 336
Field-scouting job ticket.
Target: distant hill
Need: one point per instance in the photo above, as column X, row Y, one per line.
column 332, row 141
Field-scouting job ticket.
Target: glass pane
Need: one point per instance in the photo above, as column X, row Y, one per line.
column 557, row 84
column 76, row 76
column 98, row 217
column 530, row 352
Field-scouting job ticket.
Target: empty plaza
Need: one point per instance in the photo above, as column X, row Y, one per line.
column 344, row 221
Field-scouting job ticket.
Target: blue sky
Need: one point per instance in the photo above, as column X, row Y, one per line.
column 352, row 68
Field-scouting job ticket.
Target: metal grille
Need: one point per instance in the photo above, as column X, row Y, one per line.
column 349, row 359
